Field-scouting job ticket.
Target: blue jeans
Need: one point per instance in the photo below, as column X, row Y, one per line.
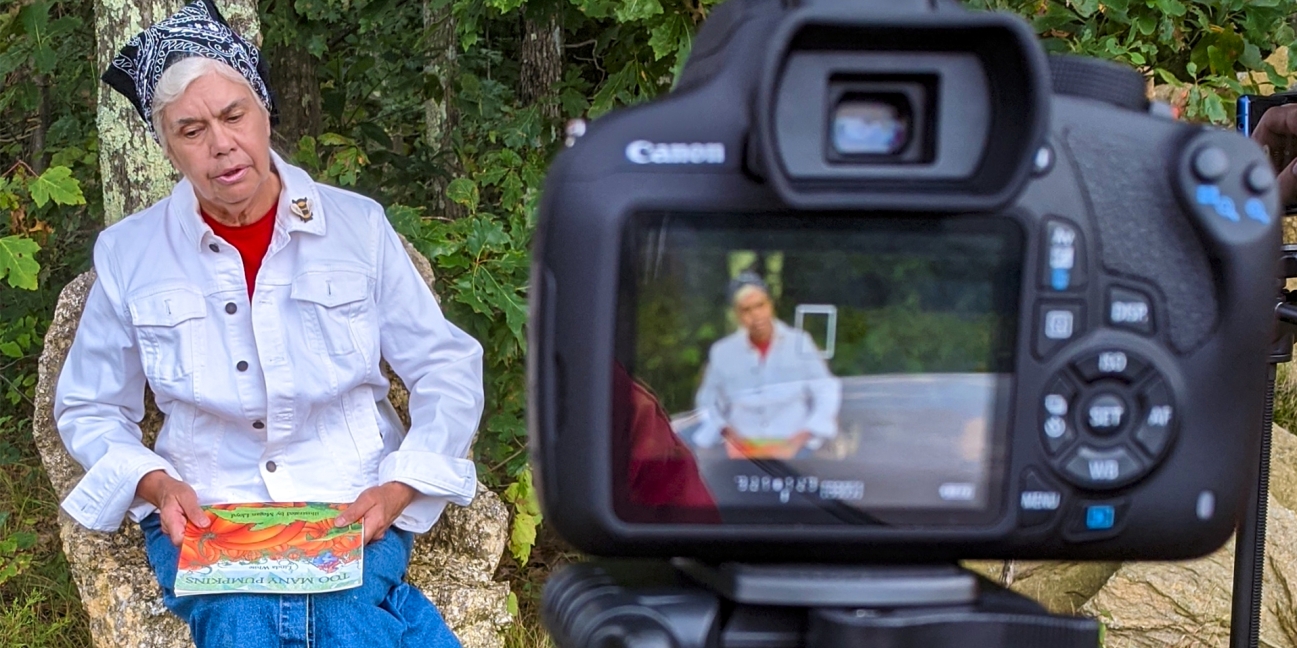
column 383, row 612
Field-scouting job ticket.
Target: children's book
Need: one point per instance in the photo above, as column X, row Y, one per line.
column 272, row 548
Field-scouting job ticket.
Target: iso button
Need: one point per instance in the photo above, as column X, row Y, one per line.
column 1110, row 363
column 1130, row 309
column 1158, row 418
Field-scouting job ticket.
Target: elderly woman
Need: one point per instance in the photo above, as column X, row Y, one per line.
column 256, row 303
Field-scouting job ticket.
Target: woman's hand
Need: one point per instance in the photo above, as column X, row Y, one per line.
column 379, row 507
column 176, row 502
column 1277, row 133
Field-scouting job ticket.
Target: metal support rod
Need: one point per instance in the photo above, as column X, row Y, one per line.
column 1249, row 542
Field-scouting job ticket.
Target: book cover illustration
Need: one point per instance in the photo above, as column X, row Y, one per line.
column 272, row 548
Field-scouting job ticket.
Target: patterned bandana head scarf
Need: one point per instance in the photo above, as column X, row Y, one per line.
column 196, row 30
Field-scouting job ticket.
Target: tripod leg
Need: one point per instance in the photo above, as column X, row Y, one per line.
column 1249, row 543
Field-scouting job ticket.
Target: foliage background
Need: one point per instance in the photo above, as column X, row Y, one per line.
column 447, row 112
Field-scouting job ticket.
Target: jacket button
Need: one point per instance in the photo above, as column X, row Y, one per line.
column 231, row 308
column 270, row 466
column 258, row 425
column 242, row 366
column 214, row 247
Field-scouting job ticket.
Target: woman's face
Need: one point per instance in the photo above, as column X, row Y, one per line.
column 218, row 137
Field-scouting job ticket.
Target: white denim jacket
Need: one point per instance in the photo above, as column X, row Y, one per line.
column 790, row 390
column 277, row 399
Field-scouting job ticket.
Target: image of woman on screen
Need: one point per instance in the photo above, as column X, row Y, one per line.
column 766, row 392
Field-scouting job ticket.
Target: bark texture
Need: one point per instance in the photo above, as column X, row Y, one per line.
column 297, row 93
column 135, row 173
column 542, row 63
column 440, row 116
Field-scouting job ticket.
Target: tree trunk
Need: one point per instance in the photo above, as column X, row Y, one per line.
column 542, row 63
column 439, row 112
column 134, row 172
column 297, row 91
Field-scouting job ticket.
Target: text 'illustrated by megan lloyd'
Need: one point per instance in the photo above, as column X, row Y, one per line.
column 280, row 548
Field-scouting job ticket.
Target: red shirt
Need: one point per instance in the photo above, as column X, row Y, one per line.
column 251, row 241
column 763, row 347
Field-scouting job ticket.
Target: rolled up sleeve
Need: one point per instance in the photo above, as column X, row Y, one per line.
column 441, row 366
column 98, row 404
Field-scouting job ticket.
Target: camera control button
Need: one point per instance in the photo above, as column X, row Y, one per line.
column 1056, row 432
column 1130, row 309
column 1259, row 178
column 1158, row 423
column 1105, row 414
column 1095, row 520
column 1210, row 163
column 1102, row 468
column 1063, row 257
column 1111, row 363
column 1057, row 324
column 1038, row 500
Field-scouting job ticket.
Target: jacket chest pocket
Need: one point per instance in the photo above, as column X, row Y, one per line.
column 334, row 309
column 169, row 328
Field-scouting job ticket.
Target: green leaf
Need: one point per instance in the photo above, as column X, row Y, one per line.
column 11, row 349
column 1172, row 7
column 464, row 192
column 642, row 9
column 35, row 19
column 24, row 539
column 511, row 604
column 1086, row 8
column 667, row 38
column 17, row 261
column 44, row 59
column 56, row 184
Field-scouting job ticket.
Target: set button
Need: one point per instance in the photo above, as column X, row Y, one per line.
column 1105, row 413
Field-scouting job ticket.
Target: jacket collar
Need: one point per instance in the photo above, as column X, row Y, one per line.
column 300, row 208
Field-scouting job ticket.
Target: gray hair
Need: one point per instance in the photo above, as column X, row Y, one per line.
column 176, row 79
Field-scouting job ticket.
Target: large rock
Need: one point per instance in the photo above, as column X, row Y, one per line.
column 453, row 564
column 1180, row 604
column 1062, row 587
column 1148, row 605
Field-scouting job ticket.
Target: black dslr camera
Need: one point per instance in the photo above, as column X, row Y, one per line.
column 880, row 283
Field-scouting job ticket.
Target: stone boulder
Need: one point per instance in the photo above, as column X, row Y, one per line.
column 1177, row 604
column 453, row 564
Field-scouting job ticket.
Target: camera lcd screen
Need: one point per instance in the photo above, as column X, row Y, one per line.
column 847, row 369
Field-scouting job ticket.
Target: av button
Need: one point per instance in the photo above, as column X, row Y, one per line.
column 1102, row 468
